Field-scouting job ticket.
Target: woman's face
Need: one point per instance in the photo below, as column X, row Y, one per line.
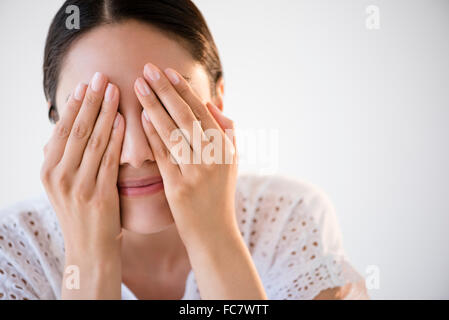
column 120, row 51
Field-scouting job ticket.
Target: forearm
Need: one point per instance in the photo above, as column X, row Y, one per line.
column 224, row 269
column 98, row 279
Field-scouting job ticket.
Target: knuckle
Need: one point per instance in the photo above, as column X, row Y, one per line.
column 95, row 142
column 61, row 130
column 150, row 101
column 82, row 194
column 108, row 160
column 150, row 130
column 200, row 112
column 72, row 106
column 79, row 130
column 102, row 194
column 105, row 111
column 183, row 89
column 82, row 190
column 159, row 149
column 63, row 182
column 45, row 174
column 91, row 99
column 166, row 132
column 168, row 155
column 165, row 87
column 184, row 117
column 99, row 203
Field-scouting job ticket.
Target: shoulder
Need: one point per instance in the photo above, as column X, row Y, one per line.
column 278, row 188
column 31, row 250
column 292, row 232
column 32, row 218
column 286, row 200
column 276, row 212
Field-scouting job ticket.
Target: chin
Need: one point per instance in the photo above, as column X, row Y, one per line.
column 145, row 214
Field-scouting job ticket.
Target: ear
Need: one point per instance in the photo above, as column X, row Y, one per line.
column 53, row 115
column 219, row 90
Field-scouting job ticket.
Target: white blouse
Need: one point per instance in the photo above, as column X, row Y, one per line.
column 289, row 226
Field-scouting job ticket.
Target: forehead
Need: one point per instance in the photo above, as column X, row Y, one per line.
column 120, row 51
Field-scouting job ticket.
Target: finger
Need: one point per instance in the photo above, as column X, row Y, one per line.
column 84, row 123
column 191, row 98
column 226, row 124
column 54, row 149
column 109, row 166
column 178, row 109
column 99, row 138
column 164, row 125
column 165, row 161
column 202, row 112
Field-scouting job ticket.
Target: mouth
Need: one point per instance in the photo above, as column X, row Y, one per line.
column 139, row 187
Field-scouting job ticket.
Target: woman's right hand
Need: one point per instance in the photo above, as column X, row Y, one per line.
column 79, row 174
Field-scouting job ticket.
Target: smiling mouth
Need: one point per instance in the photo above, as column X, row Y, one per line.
column 141, row 187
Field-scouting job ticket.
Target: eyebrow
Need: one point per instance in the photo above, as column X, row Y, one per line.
column 188, row 79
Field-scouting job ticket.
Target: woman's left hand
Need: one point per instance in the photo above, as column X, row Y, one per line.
column 199, row 184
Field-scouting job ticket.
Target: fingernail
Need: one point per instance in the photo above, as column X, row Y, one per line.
column 97, row 82
column 110, row 93
column 143, row 87
column 151, row 72
column 172, row 76
column 79, row 92
column 146, row 115
column 116, row 121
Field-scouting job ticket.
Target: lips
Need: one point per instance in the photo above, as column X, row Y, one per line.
column 141, row 187
column 140, row 182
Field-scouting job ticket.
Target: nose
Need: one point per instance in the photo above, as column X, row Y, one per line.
column 135, row 148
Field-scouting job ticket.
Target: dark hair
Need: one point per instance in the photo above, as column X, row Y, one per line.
column 179, row 19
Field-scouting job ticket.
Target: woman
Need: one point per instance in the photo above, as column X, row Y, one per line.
column 124, row 216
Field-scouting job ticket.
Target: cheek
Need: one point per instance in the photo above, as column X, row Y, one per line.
column 59, row 104
column 202, row 91
column 200, row 83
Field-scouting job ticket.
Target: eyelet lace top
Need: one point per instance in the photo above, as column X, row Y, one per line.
column 289, row 226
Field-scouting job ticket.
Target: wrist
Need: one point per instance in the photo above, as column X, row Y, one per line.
column 224, row 268
column 92, row 253
column 210, row 232
column 96, row 278
column 224, row 240
column 93, row 264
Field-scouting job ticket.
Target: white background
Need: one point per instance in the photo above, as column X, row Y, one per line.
column 361, row 113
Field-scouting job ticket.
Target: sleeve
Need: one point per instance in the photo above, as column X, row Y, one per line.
column 13, row 283
column 22, row 276
column 309, row 255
